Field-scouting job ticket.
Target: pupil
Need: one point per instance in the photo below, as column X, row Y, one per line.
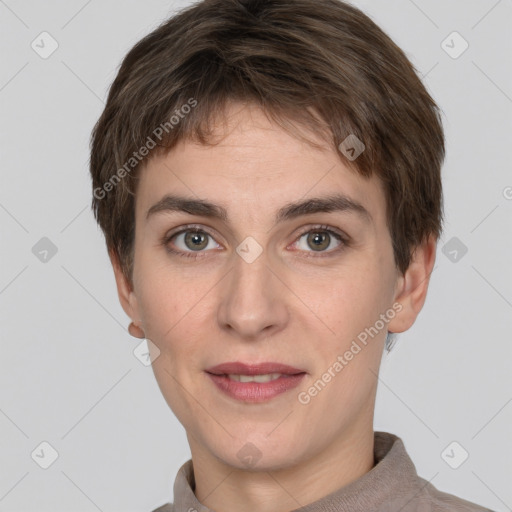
column 196, row 240
column 318, row 240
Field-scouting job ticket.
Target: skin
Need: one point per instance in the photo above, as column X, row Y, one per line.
column 282, row 307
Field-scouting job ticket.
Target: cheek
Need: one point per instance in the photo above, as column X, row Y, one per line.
column 166, row 310
column 176, row 312
column 347, row 301
column 162, row 294
column 170, row 308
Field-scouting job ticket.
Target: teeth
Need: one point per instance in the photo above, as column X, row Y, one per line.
column 255, row 378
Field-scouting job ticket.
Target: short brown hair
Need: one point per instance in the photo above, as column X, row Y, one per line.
column 320, row 63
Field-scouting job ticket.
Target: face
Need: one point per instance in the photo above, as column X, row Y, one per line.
column 299, row 289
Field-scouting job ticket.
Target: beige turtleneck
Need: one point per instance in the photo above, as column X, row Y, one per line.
column 392, row 485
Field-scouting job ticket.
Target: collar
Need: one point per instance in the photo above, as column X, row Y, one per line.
column 391, row 483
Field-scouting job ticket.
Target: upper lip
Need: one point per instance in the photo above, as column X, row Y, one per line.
column 238, row 368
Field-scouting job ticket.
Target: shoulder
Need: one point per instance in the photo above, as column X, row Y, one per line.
column 165, row 508
column 439, row 501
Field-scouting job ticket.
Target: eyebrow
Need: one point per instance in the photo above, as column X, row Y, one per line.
column 203, row 208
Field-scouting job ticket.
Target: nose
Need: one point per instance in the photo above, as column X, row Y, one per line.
column 253, row 301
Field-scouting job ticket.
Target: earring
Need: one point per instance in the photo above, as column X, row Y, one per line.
column 136, row 331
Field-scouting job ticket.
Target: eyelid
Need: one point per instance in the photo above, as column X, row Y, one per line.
column 187, row 227
column 324, row 227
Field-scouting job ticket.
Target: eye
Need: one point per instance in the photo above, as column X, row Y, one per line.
column 319, row 239
column 189, row 241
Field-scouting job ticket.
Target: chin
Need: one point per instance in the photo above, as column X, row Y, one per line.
column 258, row 452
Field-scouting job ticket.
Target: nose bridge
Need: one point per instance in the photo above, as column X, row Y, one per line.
column 252, row 301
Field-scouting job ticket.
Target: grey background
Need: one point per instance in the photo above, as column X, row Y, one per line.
column 68, row 375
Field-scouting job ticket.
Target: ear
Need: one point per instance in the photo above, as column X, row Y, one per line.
column 411, row 289
column 125, row 291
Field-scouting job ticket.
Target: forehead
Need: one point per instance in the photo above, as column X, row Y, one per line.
column 254, row 169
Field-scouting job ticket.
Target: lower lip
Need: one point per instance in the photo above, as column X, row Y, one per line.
column 256, row 391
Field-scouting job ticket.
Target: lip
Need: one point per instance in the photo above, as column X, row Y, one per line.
column 255, row 392
column 239, row 368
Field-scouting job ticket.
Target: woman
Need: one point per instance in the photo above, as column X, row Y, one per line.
column 267, row 177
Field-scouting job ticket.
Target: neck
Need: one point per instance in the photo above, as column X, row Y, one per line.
column 224, row 488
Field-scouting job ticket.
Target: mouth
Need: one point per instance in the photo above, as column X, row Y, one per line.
column 255, row 383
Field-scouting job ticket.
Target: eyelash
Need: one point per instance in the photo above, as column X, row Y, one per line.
column 192, row 228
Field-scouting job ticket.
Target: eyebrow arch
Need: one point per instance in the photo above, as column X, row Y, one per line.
column 203, row 208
